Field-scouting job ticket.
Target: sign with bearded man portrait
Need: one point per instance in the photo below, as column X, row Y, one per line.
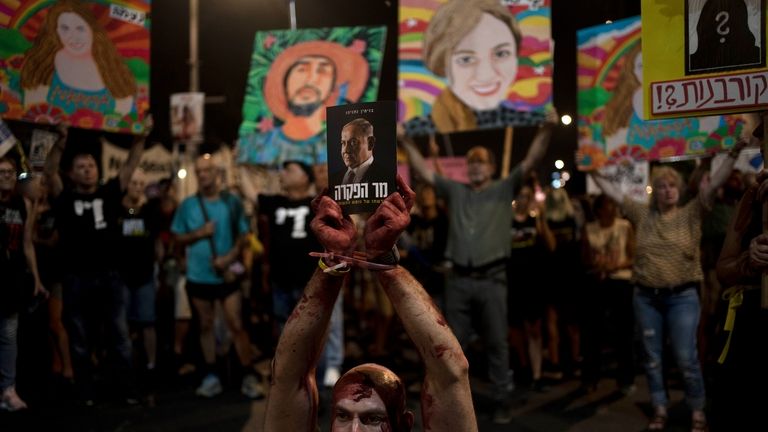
column 294, row 76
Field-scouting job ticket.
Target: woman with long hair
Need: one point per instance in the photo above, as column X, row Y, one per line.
column 73, row 64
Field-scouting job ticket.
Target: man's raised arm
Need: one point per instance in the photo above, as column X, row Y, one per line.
column 134, row 154
column 446, row 397
column 53, row 162
column 293, row 399
column 415, row 159
column 540, row 144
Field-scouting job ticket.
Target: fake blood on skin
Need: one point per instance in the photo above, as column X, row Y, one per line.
column 427, row 400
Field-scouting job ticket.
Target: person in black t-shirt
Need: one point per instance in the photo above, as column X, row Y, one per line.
column 87, row 222
column 139, row 228
column 284, row 229
column 16, row 220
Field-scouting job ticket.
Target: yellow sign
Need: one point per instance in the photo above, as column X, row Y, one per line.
column 703, row 57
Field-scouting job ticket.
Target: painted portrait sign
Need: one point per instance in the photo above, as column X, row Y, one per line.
column 187, row 111
column 708, row 57
column 82, row 62
column 724, row 35
column 610, row 103
column 491, row 68
column 294, row 76
column 362, row 154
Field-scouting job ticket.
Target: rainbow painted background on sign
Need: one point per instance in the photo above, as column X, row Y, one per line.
column 418, row 87
column 610, row 106
column 20, row 23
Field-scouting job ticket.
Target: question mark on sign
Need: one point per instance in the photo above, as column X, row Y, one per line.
column 721, row 19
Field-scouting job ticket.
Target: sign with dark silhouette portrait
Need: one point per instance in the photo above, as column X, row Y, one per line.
column 703, row 57
column 362, row 154
column 724, row 35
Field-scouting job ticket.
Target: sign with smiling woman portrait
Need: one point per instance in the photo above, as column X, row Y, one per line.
column 76, row 61
column 473, row 64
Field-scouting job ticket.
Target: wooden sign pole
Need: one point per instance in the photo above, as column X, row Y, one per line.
column 507, row 158
column 764, row 288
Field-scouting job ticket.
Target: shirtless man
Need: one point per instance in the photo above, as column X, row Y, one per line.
column 369, row 397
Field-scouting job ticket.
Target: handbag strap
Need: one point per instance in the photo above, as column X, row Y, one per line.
column 205, row 217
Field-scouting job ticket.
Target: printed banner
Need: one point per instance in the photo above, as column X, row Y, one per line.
column 42, row 142
column 157, row 162
column 749, row 161
column 631, row 178
column 187, row 117
column 82, row 62
column 610, row 100
column 294, row 76
column 490, row 68
column 708, row 56
column 362, row 154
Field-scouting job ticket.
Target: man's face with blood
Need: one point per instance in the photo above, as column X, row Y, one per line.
column 367, row 398
column 357, row 407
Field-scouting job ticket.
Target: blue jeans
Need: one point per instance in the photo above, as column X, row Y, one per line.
column 9, row 326
column 91, row 302
column 676, row 315
column 141, row 303
column 333, row 353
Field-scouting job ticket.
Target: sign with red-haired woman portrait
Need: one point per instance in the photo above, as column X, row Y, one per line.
column 82, row 62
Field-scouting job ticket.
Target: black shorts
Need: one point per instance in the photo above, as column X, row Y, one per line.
column 211, row 291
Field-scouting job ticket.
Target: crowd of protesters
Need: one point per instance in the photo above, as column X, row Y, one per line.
column 138, row 286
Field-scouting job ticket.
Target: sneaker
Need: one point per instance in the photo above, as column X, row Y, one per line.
column 11, row 401
column 210, row 387
column 510, row 381
column 332, row 374
column 252, row 388
column 503, row 413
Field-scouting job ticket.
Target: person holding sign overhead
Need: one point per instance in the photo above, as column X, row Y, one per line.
column 667, row 274
column 369, row 397
column 479, row 247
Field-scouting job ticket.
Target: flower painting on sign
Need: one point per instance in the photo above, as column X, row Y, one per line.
column 611, row 128
column 85, row 62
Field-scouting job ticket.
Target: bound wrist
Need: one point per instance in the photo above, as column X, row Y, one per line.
column 334, row 269
column 392, row 257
